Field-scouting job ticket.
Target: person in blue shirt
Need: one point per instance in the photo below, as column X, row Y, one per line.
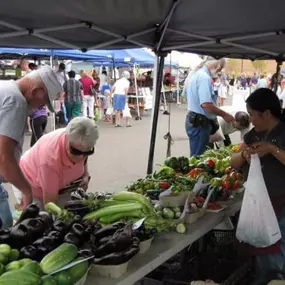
column 201, row 119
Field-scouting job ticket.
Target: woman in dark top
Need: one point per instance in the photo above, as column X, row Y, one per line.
column 38, row 121
column 267, row 139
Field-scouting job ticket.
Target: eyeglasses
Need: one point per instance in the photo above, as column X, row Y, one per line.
column 76, row 152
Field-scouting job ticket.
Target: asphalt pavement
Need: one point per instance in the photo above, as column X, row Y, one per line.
column 121, row 153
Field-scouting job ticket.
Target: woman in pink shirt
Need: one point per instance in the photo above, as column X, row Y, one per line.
column 59, row 158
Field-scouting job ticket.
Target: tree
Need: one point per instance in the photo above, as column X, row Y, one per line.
column 259, row 65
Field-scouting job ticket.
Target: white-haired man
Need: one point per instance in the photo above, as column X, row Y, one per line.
column 50, row 172
column 38, row 88
column 201, row 119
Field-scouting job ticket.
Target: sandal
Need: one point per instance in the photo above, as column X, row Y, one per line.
column 118, row 126
column 129, row 125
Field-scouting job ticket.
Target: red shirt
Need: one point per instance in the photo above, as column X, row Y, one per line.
column 87, row 84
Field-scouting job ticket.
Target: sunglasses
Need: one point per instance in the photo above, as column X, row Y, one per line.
column 74, row 151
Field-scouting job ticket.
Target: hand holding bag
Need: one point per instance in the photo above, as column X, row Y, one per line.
column 258, row 225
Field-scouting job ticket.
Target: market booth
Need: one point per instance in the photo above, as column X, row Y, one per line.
column 225, row 29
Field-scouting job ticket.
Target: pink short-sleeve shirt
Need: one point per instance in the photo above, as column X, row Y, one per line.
column 47, row 166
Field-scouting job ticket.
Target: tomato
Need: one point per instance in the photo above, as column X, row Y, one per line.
column 210, row 163
column 236, row 185
column 238, row 176
column 228, row 170
column 226, row 185
column 213, row 206
column 163, row 185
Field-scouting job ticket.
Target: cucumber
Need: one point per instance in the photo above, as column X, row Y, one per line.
column 49, row 280
column 113, row 210
column 58, row 258
column 129, row 196
column 63, row 278
column 33, row 267
column 20, row 277
column 78, row 271
column 14, row 255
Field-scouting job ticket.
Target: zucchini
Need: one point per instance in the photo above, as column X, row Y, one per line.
column 58, row 258
column 20, row 277
column 113, row 218
column 126, row 196
column 113, row 210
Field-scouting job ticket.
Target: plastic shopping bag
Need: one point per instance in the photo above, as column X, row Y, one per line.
column 258, row 225
column 109, row 111
column 127, row 113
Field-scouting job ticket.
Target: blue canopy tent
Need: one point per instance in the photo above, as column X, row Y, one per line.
column 127, row 57
column 18, row 53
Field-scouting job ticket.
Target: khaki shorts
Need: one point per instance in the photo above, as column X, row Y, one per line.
column 63, row 198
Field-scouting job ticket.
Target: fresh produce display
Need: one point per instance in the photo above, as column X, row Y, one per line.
column 107, row 229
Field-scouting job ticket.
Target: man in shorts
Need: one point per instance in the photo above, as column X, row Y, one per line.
column 33, row 91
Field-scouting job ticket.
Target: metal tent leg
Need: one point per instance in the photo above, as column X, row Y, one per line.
column 155, row 112
column 278, row 67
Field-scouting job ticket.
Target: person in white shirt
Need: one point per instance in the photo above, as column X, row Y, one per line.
column 120, row 91
column 60, row 74
column 241, row 123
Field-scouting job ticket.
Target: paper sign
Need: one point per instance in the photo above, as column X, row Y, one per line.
column 72, row 264
column 208, row 198
column 137, row 224
column 166, row 192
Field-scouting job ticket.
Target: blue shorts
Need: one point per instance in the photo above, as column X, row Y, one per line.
column 119, row 102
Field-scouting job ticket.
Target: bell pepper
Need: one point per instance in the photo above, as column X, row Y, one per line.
column 210, row 163
column 236, row 185
column 228, row 170
column 193, row 160
column 163, row 185
column 216, row 181
column 226, row 185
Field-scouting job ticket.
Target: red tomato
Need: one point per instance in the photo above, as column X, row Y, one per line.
column 236, row 185
column 163, row 185
column 238, row 176
column 213, row 206
column 228, row 170
column 226, row 185
column 211, row 163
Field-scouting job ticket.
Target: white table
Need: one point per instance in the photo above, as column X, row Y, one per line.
column 165, row 246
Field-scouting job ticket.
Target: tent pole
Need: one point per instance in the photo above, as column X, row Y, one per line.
column 278, row 67
column 51, row 117
column 177, row 87
column 138, row 117
column 114, row 69
column 155, row 112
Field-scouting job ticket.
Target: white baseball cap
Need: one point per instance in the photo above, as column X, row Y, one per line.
column 51, row 83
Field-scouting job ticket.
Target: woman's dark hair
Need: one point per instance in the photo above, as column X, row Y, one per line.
column 71, row 74
column 264, row 99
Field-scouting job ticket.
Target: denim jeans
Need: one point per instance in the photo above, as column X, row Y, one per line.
column 5, row 213
column 269, row 266
column 199, row 137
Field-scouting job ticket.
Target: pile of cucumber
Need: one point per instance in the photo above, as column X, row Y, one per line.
column 168, row 213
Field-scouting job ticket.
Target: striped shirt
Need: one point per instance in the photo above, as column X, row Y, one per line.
column 72, row 89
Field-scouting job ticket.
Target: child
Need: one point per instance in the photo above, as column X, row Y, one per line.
column 127, row 115
column 107, row 105
column 106, row 91
column 242, row 124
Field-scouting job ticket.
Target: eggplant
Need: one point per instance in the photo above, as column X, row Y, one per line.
column 5, row 236
column 117, row 258
column 60, row 226
column 121, row 240
column 20, row 235
column 104, row 240
column 29, row 212
column 79, row 231
column 72, row 238
column 86, row 253
column 106, row 231
column 34, row 225
column 46, row 218
column 31, row 252
column 77, row 207
column 56, row 236
column 44, row 241
column 78, row 194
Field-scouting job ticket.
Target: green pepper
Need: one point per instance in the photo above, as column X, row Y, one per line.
column 193, row 160
column 216, row 182
column 172, row 162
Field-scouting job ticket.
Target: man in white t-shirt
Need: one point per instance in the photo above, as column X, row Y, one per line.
column 241, row 124
column 34, row 90
column 120, row 91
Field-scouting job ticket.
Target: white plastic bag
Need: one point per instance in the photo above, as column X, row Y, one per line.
column 109, row 111
column 127, row 112
column 258, row 225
